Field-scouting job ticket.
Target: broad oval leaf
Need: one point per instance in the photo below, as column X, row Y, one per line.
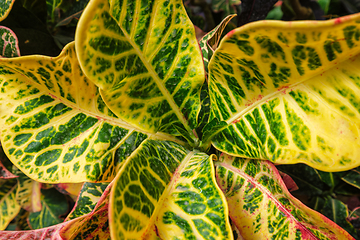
column 164, row 190
column 261, row 207
column 145, row 58
column 8, row 204
column 55, row 126
column 290, row 92
column 8, row 43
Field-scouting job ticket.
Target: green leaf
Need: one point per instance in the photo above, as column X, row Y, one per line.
column 337, row 211
column 8, row 204
column 353, row 177
column 88, row 198
column 146, row 61
column 165, row 191
column 5, row 166
column 52, row 8
column 289, row 93
column 8, row 43
column 56, row 128
column 28, row 193
column 261, row 206
column 54, row 204
column 5, row 8
column 210, row 41
column 79, row 228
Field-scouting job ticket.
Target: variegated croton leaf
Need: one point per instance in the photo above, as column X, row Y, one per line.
column 8, row 43
column 91, row 226
column 290, row 92
column 55, row 126
column 210, row 41
column 88, row 198
column 9, row 207
column 145, row 58
column 165, row 190
column 261, row 207
column 5, row 8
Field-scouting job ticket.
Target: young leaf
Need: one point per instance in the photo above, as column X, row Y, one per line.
column 289, row 92
column 5, row 8
column 8, row 43
column 88, row 198
column 8, row 204
column 56, row 128
column 209, row 42
column 54, row 204
column 164, row 190
column 144, row 57
column 261, row 206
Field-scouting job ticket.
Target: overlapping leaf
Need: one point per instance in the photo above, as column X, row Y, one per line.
column 261, row 206
column 8, row 43
column 166, row 191
column 144, row 57
column 210, row 41
column 88, row 198
column 5, row 166
column 91, row 226
column 290, row 92
column 28, row 193
column 55, row 126
column 9, row 207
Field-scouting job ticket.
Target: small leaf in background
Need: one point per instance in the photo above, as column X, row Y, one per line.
column 54, row 205
column 228, row 7
column 5, row 8
column 9, row 207
column 275, row 13
column 53, row 9
column 261, row 206
column 337, row 211
column 88, row 227
column 8, row 43
column 87, row 199
column 353, row 177
column 253, row 10
column 28, row 192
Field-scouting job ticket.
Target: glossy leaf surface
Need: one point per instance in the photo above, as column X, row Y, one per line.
column 164, row 190
column 8, row 43
column 9, row 207
column 56, row 128
column 145, row 58
column 261, row 206
column 290, row 92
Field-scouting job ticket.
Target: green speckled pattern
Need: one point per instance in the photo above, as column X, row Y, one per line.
column 55, row 126
column 5, row 8
column 164, row 190
column 9, row 207
column 144, row 57
column 9, row 44
column 287, row 95
column 261, row 207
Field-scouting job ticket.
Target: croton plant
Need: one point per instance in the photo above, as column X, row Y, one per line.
column 156, row 135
